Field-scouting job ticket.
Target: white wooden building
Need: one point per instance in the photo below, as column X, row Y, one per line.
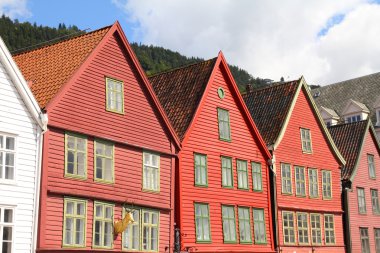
column 21, row 130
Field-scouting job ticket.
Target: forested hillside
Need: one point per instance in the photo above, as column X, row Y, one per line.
column 25, row 36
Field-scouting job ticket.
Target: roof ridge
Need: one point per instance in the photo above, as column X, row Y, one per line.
column 347, row 80
column 181, row 67
column 61, row 41
column 274, row 85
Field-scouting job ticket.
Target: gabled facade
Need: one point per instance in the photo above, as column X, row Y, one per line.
column 329, row 116
column 108, row 146
column 359, row 146
column 307, row 166
column 355, row 111
column 223, row 192
column 21, row 129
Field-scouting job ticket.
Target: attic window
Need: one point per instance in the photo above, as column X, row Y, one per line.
column 354, row 118
column 114, row 95
column 221, row 93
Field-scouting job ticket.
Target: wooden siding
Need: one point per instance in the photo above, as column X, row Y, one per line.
column 15, row 119
column 362, row 179
column 322, row 158
column 204, row 138
column 82, row 108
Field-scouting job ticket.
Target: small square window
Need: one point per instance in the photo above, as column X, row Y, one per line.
column 114, row 95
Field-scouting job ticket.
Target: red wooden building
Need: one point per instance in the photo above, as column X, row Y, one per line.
column 223, row 198
column 306, row 165
column 108, row 144
column 361, row 182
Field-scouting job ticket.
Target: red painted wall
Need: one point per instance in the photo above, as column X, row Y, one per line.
column 290, row 151
column 203, row 138
column 362, row 179
column 81, row 109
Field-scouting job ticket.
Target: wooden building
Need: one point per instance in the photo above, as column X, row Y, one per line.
column 21, row 129
column 222, row 189
column 361, row 182
column 108, row 144
column 307, row 167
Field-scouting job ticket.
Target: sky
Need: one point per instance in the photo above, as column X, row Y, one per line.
column 326, row 41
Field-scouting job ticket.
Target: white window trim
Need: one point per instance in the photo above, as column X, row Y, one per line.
column 14, row 181
column 159, row 172
column 13, row 224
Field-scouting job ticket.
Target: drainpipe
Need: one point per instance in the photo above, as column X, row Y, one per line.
column 273, row 176
column 177, row 240
column 346, row 217
column 40, row 137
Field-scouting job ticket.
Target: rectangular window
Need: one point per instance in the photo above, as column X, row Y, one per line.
column 288, row 227
column 371, row 166
column 7, row 157
column 361, row 200
column 74, row 224
column 103, row 225
column 150, row 230
column 300, row 181
column 115, row 95
column 76, row 155
column 224, row 124
column 257, row 179
column 244, row 225
column 306, row 140
column 354, row 118
column 329, row 229
column 286, row 178
column 326, row 184
column 227, row 172
column 200, row 164
column 259, row 226
column 242, row 173
column 364, row 240
column 151, row 171
column 202, row 222
column 229, row 227
column 131, row 240
column 377, row 239
column 6, row 229
column 104, row 161
column 313, row 183
column 315, row 222
column 375, row 201
column 303, row 228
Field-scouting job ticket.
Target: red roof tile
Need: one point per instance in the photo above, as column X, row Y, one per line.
column 348, row 138
column 269, row 107
column 180, row 91
column 50, row 67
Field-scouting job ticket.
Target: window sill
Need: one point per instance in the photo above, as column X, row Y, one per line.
column 68, row 176
column 151, row 191
column 104, row 182
column 8, row 182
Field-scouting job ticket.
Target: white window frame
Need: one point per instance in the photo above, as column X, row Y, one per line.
column 305, row 140
column 74, row 217
column 362, row 205
column 103, row 220
column 293, row 228
column 312, row 183
column 371, row 166
column 287, row 179
column 326, row 184
column 366, row 238
column 4, row 151
column 317, row 230
column 302, row 229
column 150, row 168
column 375, row 201
column 329, row 229
column 353, row 118
column 300, row 181
column 11, row 224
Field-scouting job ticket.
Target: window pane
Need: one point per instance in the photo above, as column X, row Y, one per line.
column 200, row 164
column 10, row 143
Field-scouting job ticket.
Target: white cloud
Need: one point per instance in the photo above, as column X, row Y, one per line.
column 269, row 38
column 14, row 8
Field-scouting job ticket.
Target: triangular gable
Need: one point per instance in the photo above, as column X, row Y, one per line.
column 354, row 107
column 328, row 113
column 21, row 86
column 220, row 61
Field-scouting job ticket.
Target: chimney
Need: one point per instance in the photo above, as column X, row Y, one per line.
column 248, row 88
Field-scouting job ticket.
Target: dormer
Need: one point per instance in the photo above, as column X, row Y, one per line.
column 329, row 116
column 355, row 111
column 376, row 108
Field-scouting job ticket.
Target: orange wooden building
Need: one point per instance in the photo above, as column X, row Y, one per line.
column 222, row 185
column 307, row 165
column 108, row 144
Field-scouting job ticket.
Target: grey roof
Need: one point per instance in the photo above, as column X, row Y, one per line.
column 365, row 89
column 330, row 111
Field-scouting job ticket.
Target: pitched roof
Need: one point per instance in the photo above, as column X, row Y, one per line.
column 180, row 91
column 50, row 67
column 348, row 138
column 365, row 89
column 269, row 107
column 330, row 111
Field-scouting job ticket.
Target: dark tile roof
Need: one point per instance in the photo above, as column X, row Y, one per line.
column 348, row 138
column 365, row 89
column 269, row 107
column 50, row 67
column 180, row 91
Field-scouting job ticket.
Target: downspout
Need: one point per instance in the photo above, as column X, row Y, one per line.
column 272, row 166
column 346, row 205
column 40, row 137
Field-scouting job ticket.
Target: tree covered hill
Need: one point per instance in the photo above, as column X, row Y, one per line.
column 21, row 36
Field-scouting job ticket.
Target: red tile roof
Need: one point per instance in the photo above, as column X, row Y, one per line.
column 269, row 107
column 180, row 91
column 50, row 67
column 349, row 138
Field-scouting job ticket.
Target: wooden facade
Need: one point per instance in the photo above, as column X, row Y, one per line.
column 108, row 146
column 212, row 199
column 307, row 169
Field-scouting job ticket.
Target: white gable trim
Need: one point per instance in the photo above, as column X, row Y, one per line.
column 353, row 107
column 22, row 86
